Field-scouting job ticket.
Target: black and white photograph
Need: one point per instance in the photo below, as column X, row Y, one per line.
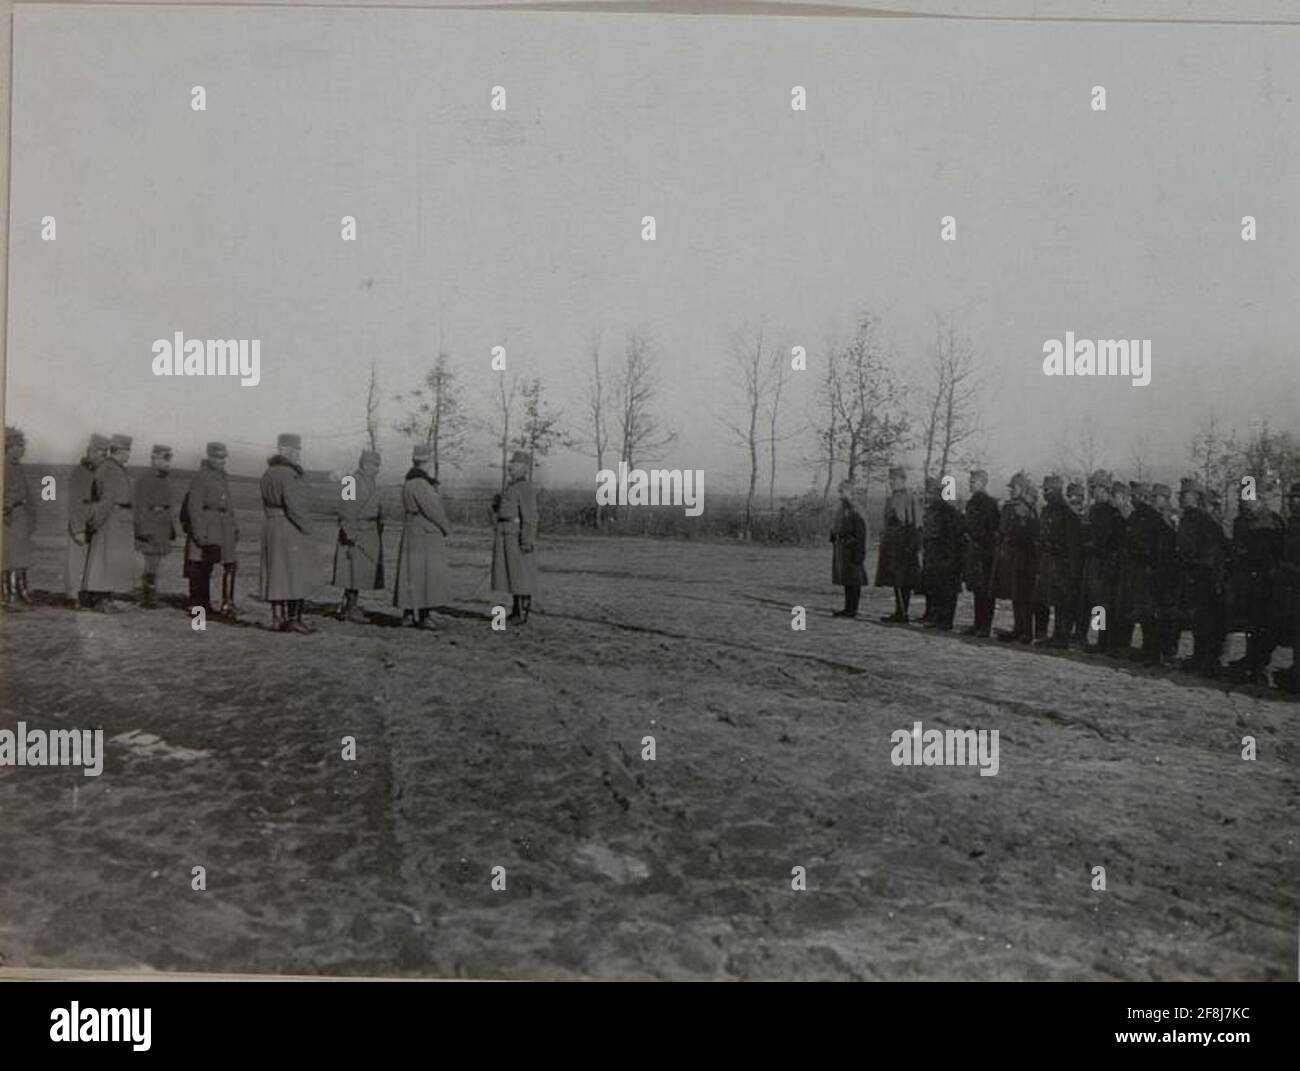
column 647, row 492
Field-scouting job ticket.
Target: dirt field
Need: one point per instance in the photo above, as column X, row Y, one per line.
column 522, row 749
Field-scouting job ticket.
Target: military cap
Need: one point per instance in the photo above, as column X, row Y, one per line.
column 15, row 437
column 898, row 473
column 120, row 442
column 1100, row 478
column 421, row 452
column 369, row 457
column 1074, row 490
column 1160, row 489
column 979, row 474
column 1189, row 486
column 1053, row 483
column 97, row 442
column 1119, row 487
column 521, row 457
column 161, row 451
column 1018, row 480
column 217, row 451
column 288, row 441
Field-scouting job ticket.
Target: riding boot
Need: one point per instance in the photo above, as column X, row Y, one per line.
column 21, row 587
column 515, row 613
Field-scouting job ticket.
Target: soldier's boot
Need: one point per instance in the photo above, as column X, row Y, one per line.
column 149, row 591
column 351, row 610
column 515, row 614
column 7, row 591
column 20, row 589
column 527, row 608
column 228, row 605
column 297, row 624
column 426, row 622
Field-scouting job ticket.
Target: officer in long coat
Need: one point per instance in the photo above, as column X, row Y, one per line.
column 154, row 526
column 849, row 551
column 19, row 523
column 1290, row 588
column 1202, row 556
column 1015, row 560
column 1150, row 549
column 896, row 559
column 287, row 554
column 1258, row 535
column 359, row 553
column 1121, row 625
column 979, row 532
column 1168, row 614
column 1075, row 496
column 80, row 483
column 1103, row 548
column 110, row 563
column 211, row 532
column 1059, row 550
column 514, row 537
column 942, row 557
column 423, row 575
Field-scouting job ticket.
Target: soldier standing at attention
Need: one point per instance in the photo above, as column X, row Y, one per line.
column 154, row 527
column 1122, row 626
column 848, row 551
column 110, row 563
column 423, row 577
column 1168, row 622
column 286, row 539
column 896, row 564
column 79, row 488
column 359, row 555
column 211, row 532
column 19, row 524
column 1202, row 553
column 943, row 557
column 1014, row 564
column 1060, row 535
column 514, row 567
column 1075, row 497
column 980, row 532
column 1103, row 546
column 1040, row 609
column 1290, row 585
column 1257, row 537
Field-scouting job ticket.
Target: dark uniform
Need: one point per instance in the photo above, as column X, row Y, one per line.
column 359, row 553
column 896, row 557
column 423, row 575
column 1258, row 535
column 78, row 496
column 154, row 527
column 211, row 532
column 1202, row 556
column 848, row 554
column 1103, row 549
column 514, row 536
column 110, row 564
column 1289, row 586
column 1151, row 556
column 1060, row 537
column 1015, row 562
column 980, row 533
column 19, row 524
column 942, row 547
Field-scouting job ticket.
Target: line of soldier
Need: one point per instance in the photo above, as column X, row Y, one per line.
column 1125, row 560
column 110, row 520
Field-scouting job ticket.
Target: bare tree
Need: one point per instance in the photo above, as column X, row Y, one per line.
column 641, row 433
column 1079, row 449
column 539, row 428
column 1141, row 451
column 952, row 396
column 826, row 426
column 595, row 399
column 777, row 376
column 507, row 388
column 372, row 409
column 869, row 398
column 437, row 415
column 752, row 363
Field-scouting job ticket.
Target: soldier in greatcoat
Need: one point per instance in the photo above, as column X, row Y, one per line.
column 110, row 563
column 80, row 483
column 1015, row 561
column 19, row 523
column 1290, row 589
column 514, row 537
column 943, row 557
column 1076, row 498
column 1060, row 536
column 1202, row 556
column 980, row 532
column 359, row 554
column 1121, row 626
column 423, row 575
column 1258, row 535
column 1168, row 616
column 154, row 526
column 211, row 532
column 896, row 560
column 1102, row 551
column 1041, row 610
column 287, row 555
column 849, row 551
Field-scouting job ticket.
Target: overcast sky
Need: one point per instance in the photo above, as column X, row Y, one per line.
column 478, row 228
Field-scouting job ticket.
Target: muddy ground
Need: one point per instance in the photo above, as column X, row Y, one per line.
column 479, row 749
